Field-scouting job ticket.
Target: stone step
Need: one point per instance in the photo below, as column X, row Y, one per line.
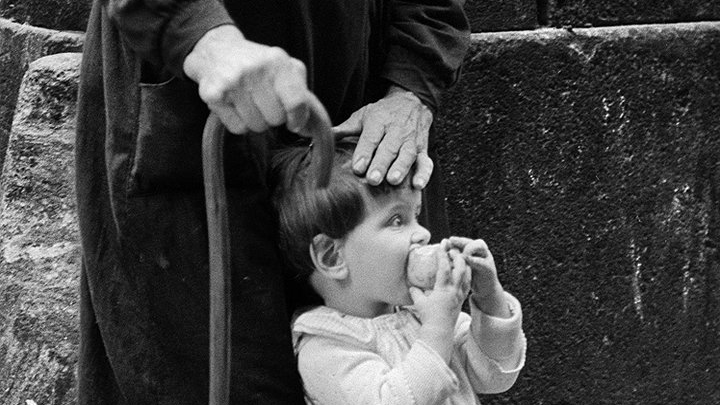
column 19, row 46
column 506, row 15
column 589, row 160
column 580, row 13
column 512, row 15
column 39, row 245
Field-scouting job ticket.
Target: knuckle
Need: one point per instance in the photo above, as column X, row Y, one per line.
column 276, row 52
column 273, row 57
column 275, row 119
column 212, row 94
column 298, row 66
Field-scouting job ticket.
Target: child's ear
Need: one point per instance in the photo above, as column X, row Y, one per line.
column 327, row 258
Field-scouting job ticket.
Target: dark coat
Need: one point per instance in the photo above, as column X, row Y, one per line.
column 144, row 291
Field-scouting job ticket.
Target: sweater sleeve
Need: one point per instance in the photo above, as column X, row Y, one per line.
column 426, row 42
column 335, row 372
column 163, row 32
column 493, row 349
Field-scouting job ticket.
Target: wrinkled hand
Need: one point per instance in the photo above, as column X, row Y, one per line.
column 393, row 135
column 484, row 273
column 250, row 86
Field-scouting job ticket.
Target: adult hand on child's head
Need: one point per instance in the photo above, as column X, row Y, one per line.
column 250, row 86
column 477, row 255
column 394, row 135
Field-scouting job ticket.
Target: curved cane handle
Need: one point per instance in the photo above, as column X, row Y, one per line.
column 213, row 144
column 318, row 128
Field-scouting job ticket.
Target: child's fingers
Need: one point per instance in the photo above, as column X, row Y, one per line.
column 458, row 242
column 477, row 248
column 474, row 261
column 417, row 294
column 459, row 267
column 443, row 276
column 467, row 280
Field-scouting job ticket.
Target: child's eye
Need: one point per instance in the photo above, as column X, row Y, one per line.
column 396, row 220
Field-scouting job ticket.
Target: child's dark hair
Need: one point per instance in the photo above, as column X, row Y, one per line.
column 305, row 211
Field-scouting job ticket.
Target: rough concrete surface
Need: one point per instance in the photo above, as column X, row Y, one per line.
column 509, row 15
column 590, row 162
column 63, row 15
column 579, row 13
column 20, row 45
column 39, row 249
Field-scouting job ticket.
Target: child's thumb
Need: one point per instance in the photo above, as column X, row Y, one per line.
column 416, row 294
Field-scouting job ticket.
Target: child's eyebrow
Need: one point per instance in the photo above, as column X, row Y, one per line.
column 404, row 206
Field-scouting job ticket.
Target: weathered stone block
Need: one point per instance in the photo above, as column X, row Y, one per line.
column 20, row 45
column 581, row 13
column 39, row 245
column 62, row 15
column 509, row 15
column 590, row 162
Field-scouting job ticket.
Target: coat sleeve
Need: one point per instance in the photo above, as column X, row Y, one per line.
column 426, row 42
column 163, row 32
column 335, row 372
column 492, row 349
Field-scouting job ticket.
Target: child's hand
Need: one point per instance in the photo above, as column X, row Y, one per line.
column 438, row 309
column 478, row 257
column 487, row 290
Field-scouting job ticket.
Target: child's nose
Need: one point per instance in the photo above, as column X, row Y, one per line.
column 421, row 235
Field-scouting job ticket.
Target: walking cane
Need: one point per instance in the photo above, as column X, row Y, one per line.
column 318, row 127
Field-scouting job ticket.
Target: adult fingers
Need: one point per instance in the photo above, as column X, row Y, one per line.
column 423, row 170
column 386, row 153
column 246, row 109
column 351, row 126
column 372, row 134
column 265, row 98
column 401, row 166
column 292, row 93
column 230, row 119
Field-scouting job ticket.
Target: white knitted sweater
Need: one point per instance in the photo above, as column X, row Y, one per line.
column 346, row 360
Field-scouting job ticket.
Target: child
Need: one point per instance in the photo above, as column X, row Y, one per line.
column 376, row 340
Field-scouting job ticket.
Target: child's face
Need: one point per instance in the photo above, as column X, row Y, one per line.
column 376, row 251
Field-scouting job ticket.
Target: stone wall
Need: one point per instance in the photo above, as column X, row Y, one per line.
column 40, row 250
column 590, row 162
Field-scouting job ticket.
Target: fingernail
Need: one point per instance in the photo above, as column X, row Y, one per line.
column 420, row 182
column 358, row 165
column 375, row 176
column 394, row 176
